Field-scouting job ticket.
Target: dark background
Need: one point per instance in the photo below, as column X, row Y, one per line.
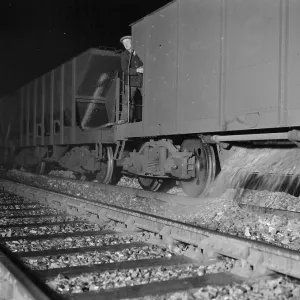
column 38, row 35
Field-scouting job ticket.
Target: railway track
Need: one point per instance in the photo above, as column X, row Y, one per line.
column 165, row 197
column 192, row 249
column 184, row 200
column 14, row 235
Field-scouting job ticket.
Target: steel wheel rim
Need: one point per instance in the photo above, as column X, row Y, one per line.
column 205, row 169
column 107, row 167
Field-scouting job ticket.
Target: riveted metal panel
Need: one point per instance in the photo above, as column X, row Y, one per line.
column 252, row 64
column 238, row 65
column 57, row 94
column 96, row 93
column 51, row 106
column 22, row 100
column 99, row 72
column 199, row 92
column 43, row 94
column 35, row 111
column 31, row 111
column 27, row 113
column 73, row 105
column 292, row 12
column 81, row 64
column 159, row 38
column 62, row 105
column 140, row 46
column 48, row 106
column 39, row 100
column 10, row 114
column 49, row 114
column 67, row 93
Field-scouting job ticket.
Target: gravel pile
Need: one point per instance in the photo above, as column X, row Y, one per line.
column 280, row 288
column 4, row 221
column 112, row 225
column 223, row 213
column 18, row 206
column 64, row 174
column 228, row 217
column 121, row 278
column 86, row 190
column 71, row 242
column 90, row 258
column 277, row 200
column 24, row 213
column 270, row 165
column 39, row 220
column 129, row 182
column 7, row 197
column 49, row 229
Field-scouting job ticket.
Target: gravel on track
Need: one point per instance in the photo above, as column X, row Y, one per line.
column 71, row 242
column 94, row 257
column 50, row 229
column 222, row 213
column 23, row 221
column 225, row 215
column 25, row 213
column 269, row 289
column 121, row 278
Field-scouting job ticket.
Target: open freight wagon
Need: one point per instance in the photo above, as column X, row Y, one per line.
column 59, row 107
column 77, row 96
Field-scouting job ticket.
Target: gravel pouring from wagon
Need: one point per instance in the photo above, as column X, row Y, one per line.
column 272, row 169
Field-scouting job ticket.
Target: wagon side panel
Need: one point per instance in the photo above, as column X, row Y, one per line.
column 199, row 89
column 253, row 64
column 292, row 13
column 160, row 74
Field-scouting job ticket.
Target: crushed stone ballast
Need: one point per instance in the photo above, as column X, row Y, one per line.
column 262, row 257
column 98, row 262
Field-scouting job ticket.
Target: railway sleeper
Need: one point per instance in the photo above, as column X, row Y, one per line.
column 260, row 258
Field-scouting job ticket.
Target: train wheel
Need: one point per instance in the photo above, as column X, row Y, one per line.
column 109, row 173
column 205, row 164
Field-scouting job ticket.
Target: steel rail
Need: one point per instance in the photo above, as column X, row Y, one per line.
column 257, row 254
column 15, row 283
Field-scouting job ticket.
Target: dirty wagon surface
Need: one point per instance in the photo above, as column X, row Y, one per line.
column 220, row 65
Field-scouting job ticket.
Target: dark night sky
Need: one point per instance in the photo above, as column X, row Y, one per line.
column 38, row 35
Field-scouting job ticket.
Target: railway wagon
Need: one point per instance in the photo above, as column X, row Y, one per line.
column 9, row 124
column 216, row 73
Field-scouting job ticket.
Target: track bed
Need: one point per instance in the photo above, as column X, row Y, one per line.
column 156, row 258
